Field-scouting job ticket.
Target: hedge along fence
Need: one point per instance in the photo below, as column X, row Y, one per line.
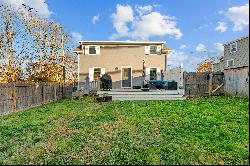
column 18, row 96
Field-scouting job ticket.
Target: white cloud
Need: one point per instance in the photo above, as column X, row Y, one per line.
column 95, row 19
column 155, row 24
column 123, row 15
column 201, row 48
column 221, row 26
column 76, row 37
column 143, row 26
column 39, row 5
column 183, row 46
column 239, row 15
column 143, row 9
column 219, row 47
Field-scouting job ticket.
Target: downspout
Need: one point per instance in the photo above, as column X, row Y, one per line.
column 78, row 74
column 166, row 62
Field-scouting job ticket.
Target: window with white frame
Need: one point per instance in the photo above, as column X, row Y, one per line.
column 153, row 73
column 92, row 49
column 152, row 49
column 233, row 47
column 97, row 73
column 230, row 63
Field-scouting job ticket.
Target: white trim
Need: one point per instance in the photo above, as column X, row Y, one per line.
column 78, row 51
column 91, row 74
column 98, row 49
column 125, row 42
column 153, row 67
column 230, row 60
column 96, row 67
column 146, row 50
column 131, row 76
column 103, row 71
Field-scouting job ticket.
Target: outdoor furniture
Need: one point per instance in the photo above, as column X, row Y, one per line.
column 159, row 84
column 106, row 82
column 172, row 85
column 145, row 85
column 136, row 87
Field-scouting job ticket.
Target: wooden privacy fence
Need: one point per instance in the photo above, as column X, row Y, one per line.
column 237, row 81
column 211, row 83
column 19, row 96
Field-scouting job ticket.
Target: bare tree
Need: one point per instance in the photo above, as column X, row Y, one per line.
column 11, row 49
column 34, row 47
column 53, row 52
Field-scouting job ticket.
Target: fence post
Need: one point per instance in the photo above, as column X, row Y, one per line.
column 43, row 92
column 210, row 84
column 54, row 92
column 14, row 97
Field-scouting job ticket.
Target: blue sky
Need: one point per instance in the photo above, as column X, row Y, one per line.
column 193, row 29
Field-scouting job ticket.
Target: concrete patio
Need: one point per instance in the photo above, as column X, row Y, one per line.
column 137, row 94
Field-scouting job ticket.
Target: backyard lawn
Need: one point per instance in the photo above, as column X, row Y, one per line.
column 194, row 131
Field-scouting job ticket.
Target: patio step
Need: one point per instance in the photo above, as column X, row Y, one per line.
column 156, row 95
column 146, row 98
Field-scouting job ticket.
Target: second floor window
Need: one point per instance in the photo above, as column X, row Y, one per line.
column 92, row 50
column 152, row 49
column 233, row 47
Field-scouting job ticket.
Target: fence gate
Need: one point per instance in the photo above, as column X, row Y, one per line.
column 203, row 83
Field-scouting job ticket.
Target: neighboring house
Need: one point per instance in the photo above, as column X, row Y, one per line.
column 236, row 67
column 122, row 60
column 236, row 53
column 218, row 67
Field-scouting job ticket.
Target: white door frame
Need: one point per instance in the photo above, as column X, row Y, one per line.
column 131, row 76
column 94, row 70
column 152, row 68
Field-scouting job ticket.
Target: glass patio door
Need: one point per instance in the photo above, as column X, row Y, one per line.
column 126, row 77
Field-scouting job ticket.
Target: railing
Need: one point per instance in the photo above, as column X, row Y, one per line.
column 87, row 86
column 94, row 85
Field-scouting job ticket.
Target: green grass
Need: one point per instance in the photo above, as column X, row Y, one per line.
column 196, row 131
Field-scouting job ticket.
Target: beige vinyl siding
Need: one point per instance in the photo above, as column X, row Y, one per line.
column 113, row 57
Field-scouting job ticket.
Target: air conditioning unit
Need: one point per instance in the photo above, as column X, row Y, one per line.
column 166, row 51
